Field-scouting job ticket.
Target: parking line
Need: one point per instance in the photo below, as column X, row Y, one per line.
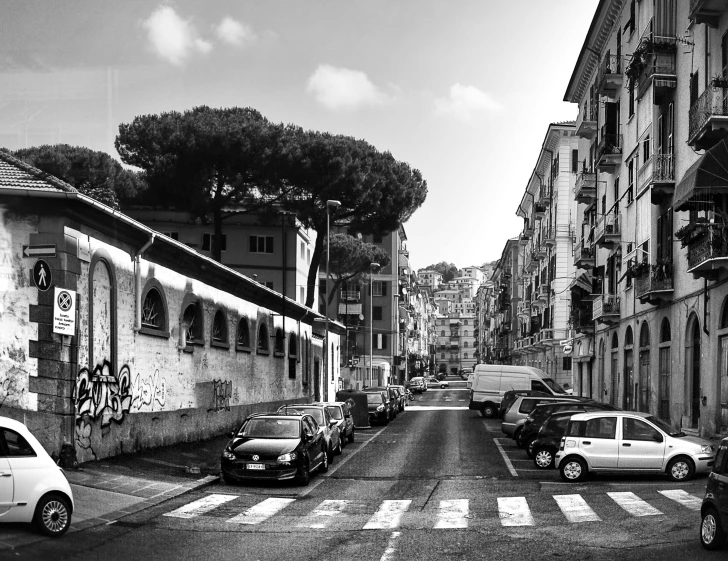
column 509, row 465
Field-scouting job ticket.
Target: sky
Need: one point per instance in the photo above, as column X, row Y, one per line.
column 462, row 90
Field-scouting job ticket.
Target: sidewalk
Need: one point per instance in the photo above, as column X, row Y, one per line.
column 112, row 488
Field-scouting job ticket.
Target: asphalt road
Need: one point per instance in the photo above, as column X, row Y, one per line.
column 438, row 482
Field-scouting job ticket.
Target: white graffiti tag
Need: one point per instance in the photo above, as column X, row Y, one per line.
column 145, row 392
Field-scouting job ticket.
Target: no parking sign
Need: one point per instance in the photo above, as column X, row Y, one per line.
column 64, row 311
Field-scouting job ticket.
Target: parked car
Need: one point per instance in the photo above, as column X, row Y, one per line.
column 391, row 398
column 549, row 438
column 714, row 510
column 402, row 397
column 324, row 420
column 340, row 412
column 33, row 489
column 416, row 384
column 522, row 407
column 511, row 395
column 628, row 441
column 275, row 446
column 527, row 435
column 378, row 407
column 442, row 384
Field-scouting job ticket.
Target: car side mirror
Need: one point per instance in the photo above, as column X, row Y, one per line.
column 307, row 436
column 232, row 434
column 658, row 437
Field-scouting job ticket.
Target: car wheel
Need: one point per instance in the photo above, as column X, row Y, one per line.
column 680, row 469
column 324, row 467
column 573, row 470
column 304, row 477
column 529, row 447
column 53, row 515
column 487, row 411
column 350, row 438
column 543, row 458
column 339, row 448
column 517, row 437
column 711, row 530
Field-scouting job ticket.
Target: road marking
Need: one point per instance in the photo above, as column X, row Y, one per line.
column 633, row 504
column 200, row 506
column 324, row 513
column 388, row 515
column 575, row 508
column 509, row 465
column 514, row 511
column 390, row 551
column 261, row 512
column 683, row 497
column 453, row 514
column 436, row 408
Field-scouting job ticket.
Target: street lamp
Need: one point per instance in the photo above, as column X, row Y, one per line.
column 372, row 266
column 329, row 204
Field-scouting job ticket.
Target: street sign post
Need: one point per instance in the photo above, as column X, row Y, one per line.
column 39, row 250
column 42, row 275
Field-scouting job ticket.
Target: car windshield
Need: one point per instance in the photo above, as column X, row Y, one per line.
column 335, row 412
column 315, row 412
column 374, row 398
column 554, row 386
column 663, row 426
column 271, row 428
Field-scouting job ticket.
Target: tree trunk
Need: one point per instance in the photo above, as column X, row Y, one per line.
column 318, row 250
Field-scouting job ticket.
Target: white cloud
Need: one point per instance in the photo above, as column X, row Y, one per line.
column 173, row 38
column 341, row 88
column 466, row 102
column 236, row 33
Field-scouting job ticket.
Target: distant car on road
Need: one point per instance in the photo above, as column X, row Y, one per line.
column 378, row 407
column 324, row 420
column 340, row 412
column 442, row 384
column 416, row 385
column 33, row 488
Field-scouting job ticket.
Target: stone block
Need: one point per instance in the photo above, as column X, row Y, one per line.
column 56, row 370
column 41, row 314
column 45, row 349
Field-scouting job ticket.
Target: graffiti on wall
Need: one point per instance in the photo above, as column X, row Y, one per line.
column 9, row 392
column 217, row 394
column 148, row 391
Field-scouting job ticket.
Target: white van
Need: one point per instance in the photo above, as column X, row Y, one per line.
column 489, row 382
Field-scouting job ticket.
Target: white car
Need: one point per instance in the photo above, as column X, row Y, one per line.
column 627, row 441
column 32, row 487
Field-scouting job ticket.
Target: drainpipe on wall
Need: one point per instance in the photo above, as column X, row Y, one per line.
column 138, row 282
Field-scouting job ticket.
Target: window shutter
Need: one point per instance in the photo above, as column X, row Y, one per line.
column 384, row 288
column 384, row 341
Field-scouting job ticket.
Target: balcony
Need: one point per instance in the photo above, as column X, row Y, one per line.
column 706, row 11
column 581, row 320
column 608, row 230
column 524, row 310
column 541, row 251
column 707, row 251
column 586, row 123
column 585, row 190
column 583, row 256
column 544, row 194
column 708, row 120
column 528, row 228
column 605, row 308
column 350, row 295
column 610, row 77
column 659, row 70
column 543, row 293
column 654, row 285
column 549, row 237
column 532, row 261
column 539, row 210
column 609, row 152
column 657, row 174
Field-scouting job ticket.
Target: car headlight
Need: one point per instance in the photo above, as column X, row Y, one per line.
column 706, row 449
column 227, row 454
column 288, row 457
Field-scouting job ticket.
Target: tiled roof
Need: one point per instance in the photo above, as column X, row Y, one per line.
column 17, row 174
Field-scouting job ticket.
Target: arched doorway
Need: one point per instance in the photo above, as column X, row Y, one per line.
column 614, row 399
column 644, row 384
column 665, row 367
column 629, row 384
column 600, row 389
column 692, row 365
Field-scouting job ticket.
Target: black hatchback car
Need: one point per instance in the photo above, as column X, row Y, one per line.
column 714, row 510
column 275, row 447
column 549, row 439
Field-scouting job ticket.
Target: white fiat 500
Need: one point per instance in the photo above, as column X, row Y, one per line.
column 32, row 487
column 627, row 441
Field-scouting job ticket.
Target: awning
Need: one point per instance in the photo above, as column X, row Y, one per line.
column 583, row 281
column 705, row 178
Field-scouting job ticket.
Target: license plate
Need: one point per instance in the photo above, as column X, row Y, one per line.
column 255, row 466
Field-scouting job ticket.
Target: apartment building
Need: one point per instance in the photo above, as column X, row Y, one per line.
column 652, row 254
column 505, row 299
column 456, row 348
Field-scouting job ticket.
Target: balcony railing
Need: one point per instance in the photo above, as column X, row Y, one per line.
column 659, row 70
column 609, row 151
column 605, row 308
column 706, row 11
column 708, row 118
column 585, row 189
column 549, row 237
column 544, row 194
column 610, row 77
column 581, row 320
column 539, row 210
column 708, row 250
column 659, row 170
column 351, row 295
column 655, row 284
column 541, row 251
column 586, row 122
column 583, row 255
column 608, row 230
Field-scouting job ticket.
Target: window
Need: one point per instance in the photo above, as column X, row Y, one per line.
column 308, row 256
column 303, row 251
column 602, row 427
column 301, row 295
column 154, row 312
column 442, row 333
column 465, row 345
column 380, row 341
column 243, row 338
column 263, row 345
column 442, row 355
column 219, row 335
column 261, row 244
column 465, row 355
column 694, row 88
column 566, row 363
column 377, row 313
column 635, row 429
column 192, row 324
column 630, row 173
column 173, row 235
column 14, row 444
column 379, row 288
column 279, row 349
column 207, row 242
column 269, row 284
column 574, row 161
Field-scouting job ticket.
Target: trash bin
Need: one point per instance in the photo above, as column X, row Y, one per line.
column 357, row 400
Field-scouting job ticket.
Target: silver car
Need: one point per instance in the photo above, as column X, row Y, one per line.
column 515, row 417
column 328, row 424
column 627, row 441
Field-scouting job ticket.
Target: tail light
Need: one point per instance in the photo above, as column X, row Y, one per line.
column 561, row 445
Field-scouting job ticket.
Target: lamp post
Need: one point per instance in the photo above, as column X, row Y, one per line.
column 329, row 204
column 371, row 317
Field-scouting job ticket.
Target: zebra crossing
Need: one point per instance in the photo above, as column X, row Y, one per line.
column 512, row 511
